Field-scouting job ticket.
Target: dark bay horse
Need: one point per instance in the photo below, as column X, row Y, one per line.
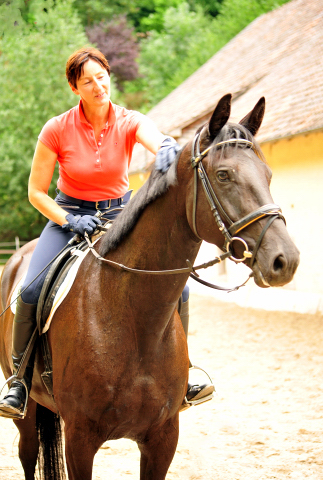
column 120, row 359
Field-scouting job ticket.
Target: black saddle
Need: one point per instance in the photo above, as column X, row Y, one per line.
column 53, row 280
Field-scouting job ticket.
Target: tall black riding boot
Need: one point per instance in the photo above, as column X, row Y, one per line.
column 12, row 405
column 196, row 392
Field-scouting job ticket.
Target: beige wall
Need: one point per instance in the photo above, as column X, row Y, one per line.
column 136, row 180
column 297, row 186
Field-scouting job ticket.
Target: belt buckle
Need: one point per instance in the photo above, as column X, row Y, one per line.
column 105, row 208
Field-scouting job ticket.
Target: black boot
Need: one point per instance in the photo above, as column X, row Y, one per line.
column 12, row 405
column 196, row 393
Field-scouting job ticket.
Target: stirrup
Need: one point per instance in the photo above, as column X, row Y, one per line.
column 191, row 403
column 15, row 414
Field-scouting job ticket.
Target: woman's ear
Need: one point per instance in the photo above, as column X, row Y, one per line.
column 74, row 90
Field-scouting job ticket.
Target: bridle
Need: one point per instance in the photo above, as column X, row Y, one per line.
column 270, row 210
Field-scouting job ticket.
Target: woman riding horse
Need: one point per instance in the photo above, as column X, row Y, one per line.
column 93, row 144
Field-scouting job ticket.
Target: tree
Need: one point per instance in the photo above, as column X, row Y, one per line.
column 33, row 89
column 210, row 7
column 96, row 11
column 117, row 42
column 142, row 14
column 164, row 54
column 189, row 38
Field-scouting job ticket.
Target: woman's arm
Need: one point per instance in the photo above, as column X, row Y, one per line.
column 149, row 136
column 41, row 174
column 164, row 147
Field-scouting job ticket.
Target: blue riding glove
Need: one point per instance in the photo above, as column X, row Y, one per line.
column 166, row 154
column 80, row 225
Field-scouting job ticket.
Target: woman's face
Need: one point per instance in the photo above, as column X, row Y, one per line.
column 94, row 84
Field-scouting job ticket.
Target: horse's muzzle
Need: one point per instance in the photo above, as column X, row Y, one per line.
column 276, row 270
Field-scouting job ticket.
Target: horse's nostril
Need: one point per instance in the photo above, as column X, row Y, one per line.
column 279, row 263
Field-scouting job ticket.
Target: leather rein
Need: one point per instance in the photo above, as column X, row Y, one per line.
column 271, row 210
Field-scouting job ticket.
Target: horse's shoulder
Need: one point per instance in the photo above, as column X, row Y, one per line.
column 28, row 248
column 24, row 253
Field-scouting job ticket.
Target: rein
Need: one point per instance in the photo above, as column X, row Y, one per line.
column 229, row 233
column 189, row 269
column 175, row 271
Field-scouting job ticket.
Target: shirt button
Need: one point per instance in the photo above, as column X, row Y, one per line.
column 97, row 153
column 99, row 143
column 101, row 135
column 98, row 160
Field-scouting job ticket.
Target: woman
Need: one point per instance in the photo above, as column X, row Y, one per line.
column 93, row 144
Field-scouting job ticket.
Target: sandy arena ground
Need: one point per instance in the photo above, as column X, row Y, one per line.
column 265, row 423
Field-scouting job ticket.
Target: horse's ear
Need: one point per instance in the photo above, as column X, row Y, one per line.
column 221, row 115
column 253, row 120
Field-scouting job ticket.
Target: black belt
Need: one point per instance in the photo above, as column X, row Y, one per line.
column 101, row 204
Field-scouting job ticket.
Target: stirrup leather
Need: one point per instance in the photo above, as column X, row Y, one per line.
column 15, row 412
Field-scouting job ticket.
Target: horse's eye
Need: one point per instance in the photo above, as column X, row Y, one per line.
column 222, row 176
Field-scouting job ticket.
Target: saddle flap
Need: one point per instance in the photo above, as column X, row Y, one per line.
column 58, row 285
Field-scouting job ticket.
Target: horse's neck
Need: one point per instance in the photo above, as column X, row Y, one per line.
column 161, row 240
column 162, row 235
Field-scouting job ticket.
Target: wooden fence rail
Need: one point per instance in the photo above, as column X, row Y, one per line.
column 9, row 251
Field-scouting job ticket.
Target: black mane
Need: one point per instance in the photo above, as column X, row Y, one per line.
column 157, row 184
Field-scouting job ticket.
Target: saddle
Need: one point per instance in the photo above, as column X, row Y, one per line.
column 54, row 280
column 58, row 281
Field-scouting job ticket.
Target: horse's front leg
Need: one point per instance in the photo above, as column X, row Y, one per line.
column 81, row 445
column 158, row 450
column 28, row 441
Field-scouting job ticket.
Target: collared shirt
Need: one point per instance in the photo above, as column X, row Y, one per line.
column 88, row 169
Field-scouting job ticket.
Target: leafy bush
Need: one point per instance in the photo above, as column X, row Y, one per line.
column 116, row 40
column 33, row 89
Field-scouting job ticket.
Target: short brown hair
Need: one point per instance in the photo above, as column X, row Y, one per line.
column 76, row 61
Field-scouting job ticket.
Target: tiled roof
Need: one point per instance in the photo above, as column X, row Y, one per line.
column 279, row 56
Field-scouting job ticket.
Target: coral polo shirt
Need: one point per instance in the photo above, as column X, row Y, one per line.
column 92, row 170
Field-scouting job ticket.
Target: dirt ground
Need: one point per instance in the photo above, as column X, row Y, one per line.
column 267, row 419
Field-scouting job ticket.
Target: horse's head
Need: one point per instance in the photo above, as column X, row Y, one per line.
column 229, row 202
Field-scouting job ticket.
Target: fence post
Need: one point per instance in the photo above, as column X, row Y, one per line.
column 17, row 243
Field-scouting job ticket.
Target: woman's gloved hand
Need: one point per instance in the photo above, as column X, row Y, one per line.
column 166, row 154
column 80, row 225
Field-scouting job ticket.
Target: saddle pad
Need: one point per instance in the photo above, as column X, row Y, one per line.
column 65, row 286
column 62, row 291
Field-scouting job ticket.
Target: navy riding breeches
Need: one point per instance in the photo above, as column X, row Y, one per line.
column 52, row 239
